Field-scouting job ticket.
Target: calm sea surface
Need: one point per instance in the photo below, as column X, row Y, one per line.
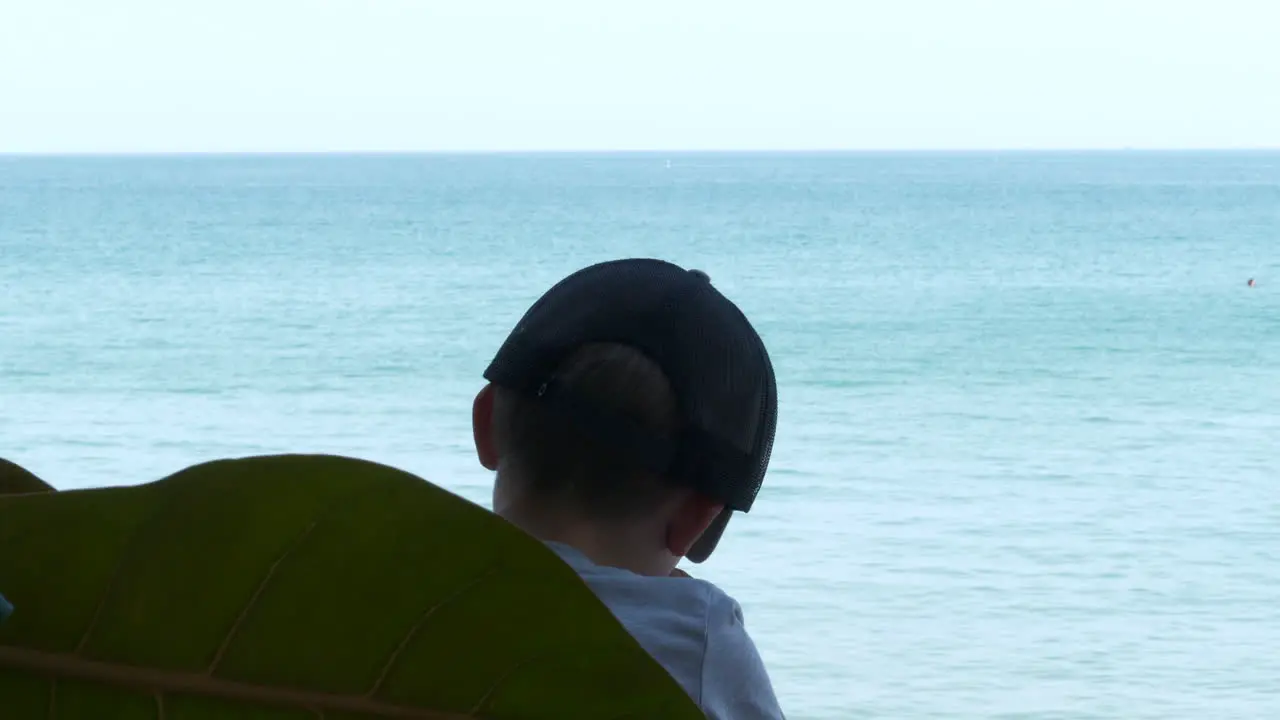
column 1028, row 461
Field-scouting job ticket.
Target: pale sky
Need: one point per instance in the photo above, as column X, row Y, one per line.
column 427, row 75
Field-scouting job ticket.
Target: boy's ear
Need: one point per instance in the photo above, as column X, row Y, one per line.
column 482, row 428
column 694, row 516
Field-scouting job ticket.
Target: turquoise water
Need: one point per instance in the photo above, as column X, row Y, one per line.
column 1027, row 458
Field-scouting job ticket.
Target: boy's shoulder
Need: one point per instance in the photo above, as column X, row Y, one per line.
column 693, row 629
column 666, row 598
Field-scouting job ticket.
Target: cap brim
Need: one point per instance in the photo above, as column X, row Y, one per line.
column 706, row 544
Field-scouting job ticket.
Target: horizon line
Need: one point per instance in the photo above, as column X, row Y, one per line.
column 607, row 152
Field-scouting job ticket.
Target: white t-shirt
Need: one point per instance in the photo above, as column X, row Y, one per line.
column 694, row 630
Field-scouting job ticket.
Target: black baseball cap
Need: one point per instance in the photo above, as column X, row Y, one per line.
column 716, row 364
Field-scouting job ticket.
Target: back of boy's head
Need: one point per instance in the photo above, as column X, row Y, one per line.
column 554, row 462
column 627, row 380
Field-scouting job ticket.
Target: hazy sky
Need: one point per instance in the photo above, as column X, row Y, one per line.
column 252, row 75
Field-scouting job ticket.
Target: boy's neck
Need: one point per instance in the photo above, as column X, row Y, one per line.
column 610, row 545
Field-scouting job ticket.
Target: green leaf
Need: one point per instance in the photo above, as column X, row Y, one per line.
column 15, row 479
column 302, row 587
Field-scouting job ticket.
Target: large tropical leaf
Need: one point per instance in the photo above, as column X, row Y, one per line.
column 301, row 587
column 16, row 479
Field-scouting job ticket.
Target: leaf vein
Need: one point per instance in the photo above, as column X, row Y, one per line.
column 121, row 563
column 389, row 665
column 67, row 666
column 488, row 694
column 257, row 593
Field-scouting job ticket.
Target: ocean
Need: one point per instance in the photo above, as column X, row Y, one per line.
column 1028, row 455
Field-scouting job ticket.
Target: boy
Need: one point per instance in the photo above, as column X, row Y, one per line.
column 629, row 413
